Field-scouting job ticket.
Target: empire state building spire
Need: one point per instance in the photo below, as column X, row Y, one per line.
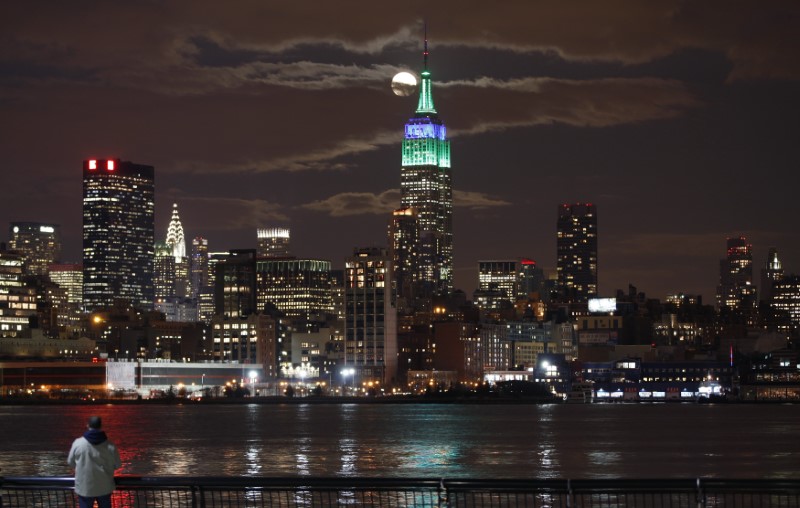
column 425, row 104
column 426, row 186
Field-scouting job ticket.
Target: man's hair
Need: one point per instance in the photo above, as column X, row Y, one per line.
column 95, row 422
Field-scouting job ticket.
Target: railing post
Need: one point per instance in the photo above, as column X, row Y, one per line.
column 701, row 498
column 197, row 492
column 442, row 492
column 569, row 493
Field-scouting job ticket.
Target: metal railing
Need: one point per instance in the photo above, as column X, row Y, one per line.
column 247, row 492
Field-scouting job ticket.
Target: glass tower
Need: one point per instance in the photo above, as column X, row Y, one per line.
column 118, row 233
column 426, row 185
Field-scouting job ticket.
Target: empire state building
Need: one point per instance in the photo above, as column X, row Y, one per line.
column 426, row 186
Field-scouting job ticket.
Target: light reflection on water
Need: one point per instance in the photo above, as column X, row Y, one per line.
column 425, row 440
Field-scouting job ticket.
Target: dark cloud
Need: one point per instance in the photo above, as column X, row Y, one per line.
column 357, row 203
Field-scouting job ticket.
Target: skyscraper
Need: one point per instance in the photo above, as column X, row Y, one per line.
column 202, row 279
column 69, row 278
column 576, row 251
column 38, row 243
column 770, row 274
column 273, row 242
column 426, row 185
column 118, row 233
column 736, row 290
column 163, row 272
column 530, row 280
column 177, row 243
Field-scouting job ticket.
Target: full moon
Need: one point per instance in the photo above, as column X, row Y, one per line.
column 404, row 84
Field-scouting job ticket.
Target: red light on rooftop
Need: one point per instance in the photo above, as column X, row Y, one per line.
column 528, row 262
column 92, row 164
column 110, row 165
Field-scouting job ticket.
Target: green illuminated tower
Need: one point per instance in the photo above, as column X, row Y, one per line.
column 426, row 185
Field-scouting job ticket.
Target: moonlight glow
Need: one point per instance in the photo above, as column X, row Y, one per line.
column 404, row 84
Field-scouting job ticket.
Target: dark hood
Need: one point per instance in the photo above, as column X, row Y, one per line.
column 95, row 436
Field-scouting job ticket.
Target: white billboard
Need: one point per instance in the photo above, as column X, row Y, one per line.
column 604, row 305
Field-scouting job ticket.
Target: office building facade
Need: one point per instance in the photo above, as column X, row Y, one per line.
column 297, row 287
column 786, row 297
column 17, row 301
column 118, row 233
column 370, row 330
column 247, row 340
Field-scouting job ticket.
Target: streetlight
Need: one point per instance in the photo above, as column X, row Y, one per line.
column 349, row 372
column 253, row 376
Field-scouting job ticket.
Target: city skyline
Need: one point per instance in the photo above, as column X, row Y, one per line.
column 675, row 120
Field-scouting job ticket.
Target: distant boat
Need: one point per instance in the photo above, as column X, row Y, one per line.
column 581, row 393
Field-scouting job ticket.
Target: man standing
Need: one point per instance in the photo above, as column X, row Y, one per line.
column 94, row 458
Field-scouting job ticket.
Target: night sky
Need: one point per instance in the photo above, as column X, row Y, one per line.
column 679, row 120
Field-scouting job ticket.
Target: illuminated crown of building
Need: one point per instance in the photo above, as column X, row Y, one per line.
column 272, row 233
column 175, row 235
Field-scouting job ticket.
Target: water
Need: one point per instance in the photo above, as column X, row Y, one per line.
column 418, row 440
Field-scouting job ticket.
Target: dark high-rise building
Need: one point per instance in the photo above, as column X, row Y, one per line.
column 118, row 233
column 576, row 251
column 530, row 280
column 235, row 284
column 202, row 286
column 403, row 244
column 199, row 266
column 163, row 272
column 426, row 185
column 39, row 245
column 736, row 290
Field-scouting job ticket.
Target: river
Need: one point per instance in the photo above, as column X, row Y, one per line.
column 417, row 440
